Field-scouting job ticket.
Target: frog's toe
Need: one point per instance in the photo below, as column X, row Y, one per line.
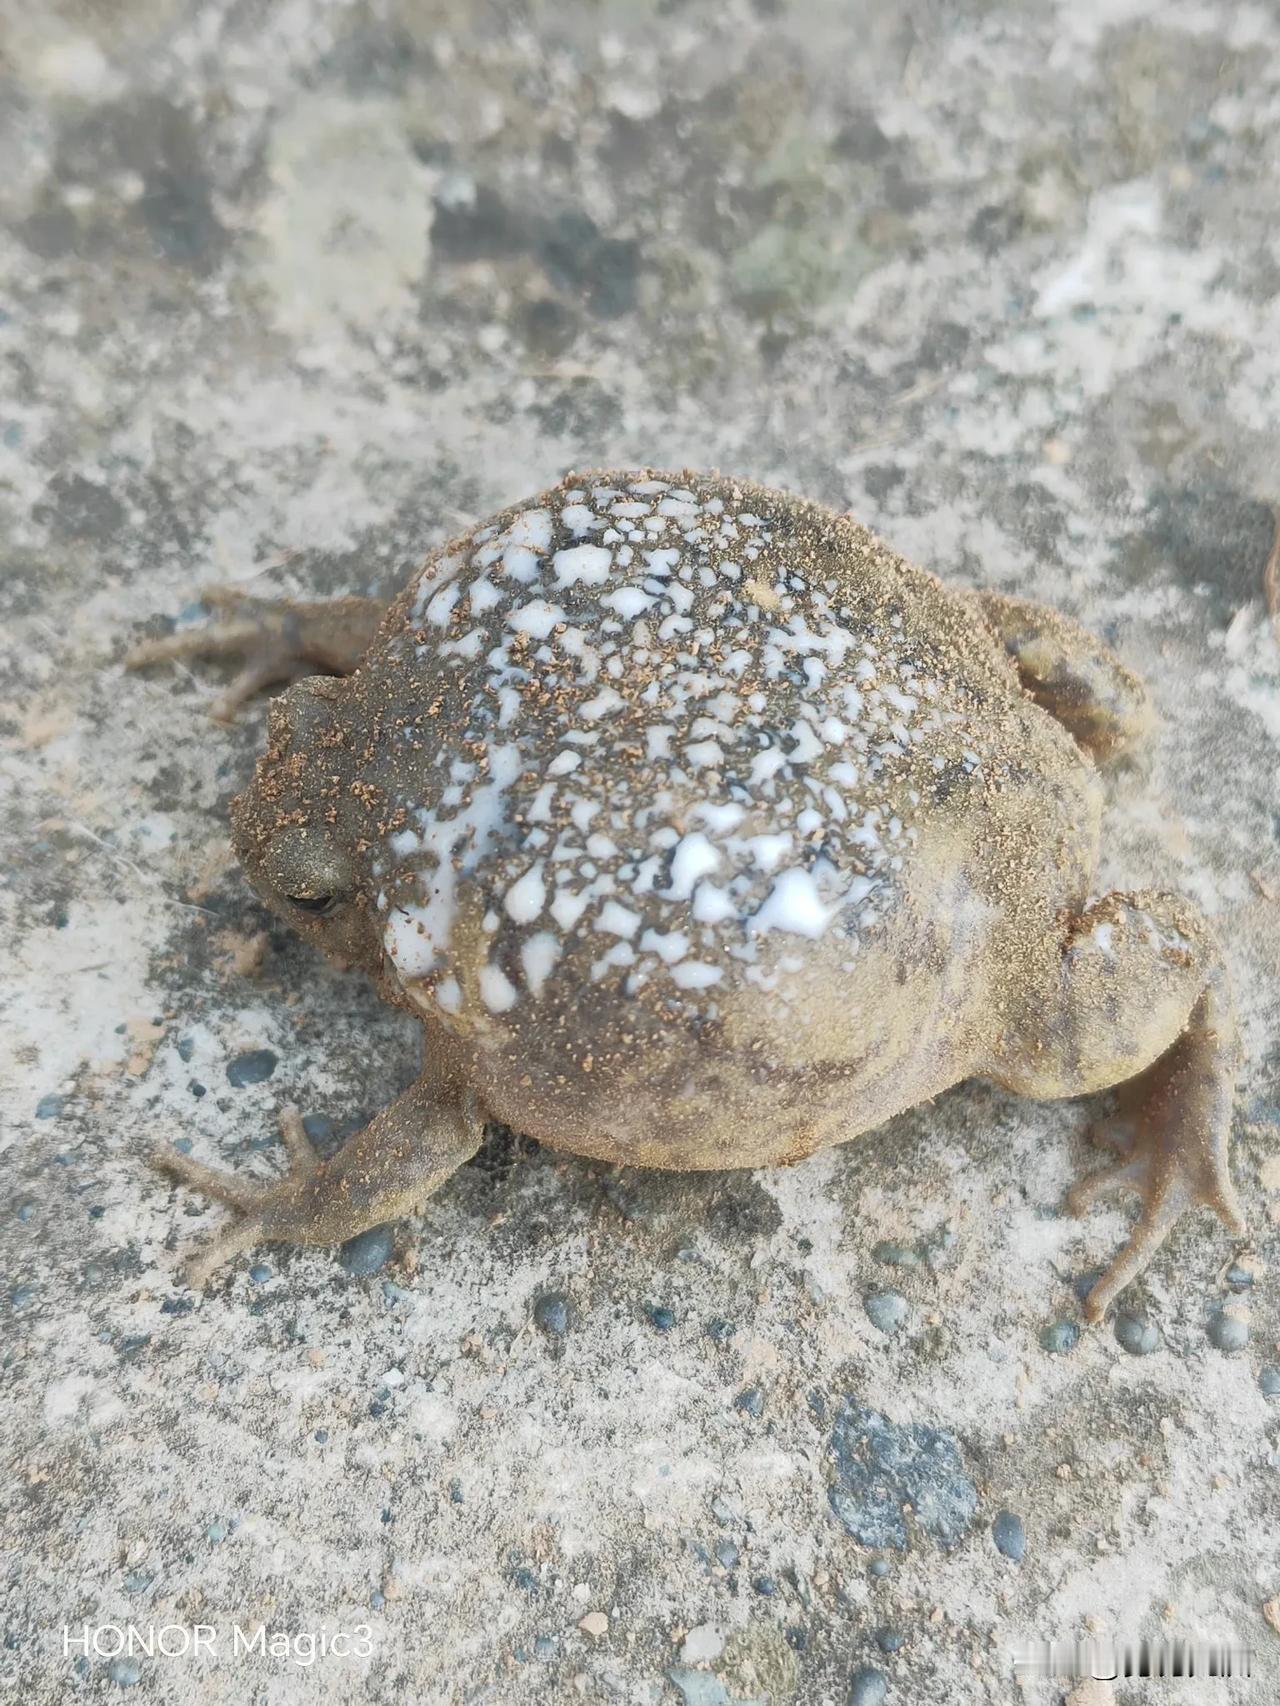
column 1171, row 1175
column 269, row 646
column 254, row 1201
column 212, row 1182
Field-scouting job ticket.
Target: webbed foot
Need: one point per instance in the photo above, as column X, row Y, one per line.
column 264, row 1211
column 386, row 1171
column 278, row 639
column 1170, row 1136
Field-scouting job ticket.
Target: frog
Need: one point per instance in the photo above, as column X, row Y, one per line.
column 699, row 829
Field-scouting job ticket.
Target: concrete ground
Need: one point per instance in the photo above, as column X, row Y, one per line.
column 289, row 292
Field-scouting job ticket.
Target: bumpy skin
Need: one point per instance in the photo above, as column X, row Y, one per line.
column 702, row 830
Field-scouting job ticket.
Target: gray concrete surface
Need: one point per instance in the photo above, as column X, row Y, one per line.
column 289, row 291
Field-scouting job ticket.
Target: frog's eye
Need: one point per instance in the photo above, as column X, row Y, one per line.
column 321, row 905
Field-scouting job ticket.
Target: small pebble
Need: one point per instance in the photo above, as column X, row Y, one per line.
column 21, row 1295
column 545, row 1646
column 1136, row 1334
column 726, row 1553
column 253, row 1067
column 48, row 1108
column 698, row 1687
column 321, row 1436
column 215, row 1532
column 1059, row 1337
column 377, row 1599
column 896, row 1255
column 367, row 1252
column 125, row 1672
column 720, row 1332
column 888, row 1640
column 1269, row 1381
column 867, row 1687
column 1228, row 1332
column 702, row 1645
column 663, row 1319
column 1238, row 1276
column 879, row 1567
column 751, row 1400
column 26, row 1211
column 259, row 1273
column 551, row 1313
column 886, row 1310
column 1010, row 1535
column 765, row 1586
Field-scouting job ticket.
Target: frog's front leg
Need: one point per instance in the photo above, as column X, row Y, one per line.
column 1069, row 672
column 1136, row 997
column 278, row 639
column 382, row 1173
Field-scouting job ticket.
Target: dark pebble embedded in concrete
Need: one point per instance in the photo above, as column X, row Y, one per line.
column 1227, row 1332
column 253, row 1067
column 888, row 1640
column 368, row 1252
column 868, row 1687
column 259, row 1273
column 125, row 1672
column 1269, row 1381
column 896, row 1255
column 879, row 1567
column 751, row 1399
column 1059, row 1337
column 551, row 1313
column 1136, row 1334
column 1010, row 1535
column 726, row 1553
column 49, row 1107
column 882, row 1466
column 1238, row 1276
column 662, row 1318
column 886, row 1310
column 719, row 1331
column 766, row 1586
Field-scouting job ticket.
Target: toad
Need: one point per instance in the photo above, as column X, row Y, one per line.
column 699, row 829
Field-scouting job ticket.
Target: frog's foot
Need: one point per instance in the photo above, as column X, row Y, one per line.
column 278, row 639
column 382, row 1173
column 1169, row 1134
column 257, row 1205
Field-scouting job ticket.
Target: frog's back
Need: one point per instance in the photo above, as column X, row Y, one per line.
column 659, row 735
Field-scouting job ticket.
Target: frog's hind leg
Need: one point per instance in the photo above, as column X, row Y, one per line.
column 382, row 1173
column 278, row 640
column 1138, row 999
column 1071, row 674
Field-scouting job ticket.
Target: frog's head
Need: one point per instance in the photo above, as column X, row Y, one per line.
column 297, row 830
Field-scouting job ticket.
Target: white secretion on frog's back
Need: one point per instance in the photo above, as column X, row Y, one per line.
column 759, row 708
